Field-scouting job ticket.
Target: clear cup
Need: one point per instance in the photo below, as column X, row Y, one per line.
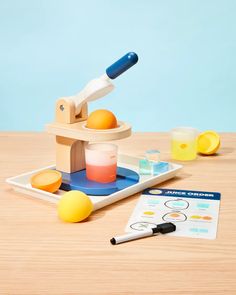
column 184, row 143
column 101, row 162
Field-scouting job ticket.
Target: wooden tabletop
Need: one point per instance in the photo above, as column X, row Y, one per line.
column 39, row 254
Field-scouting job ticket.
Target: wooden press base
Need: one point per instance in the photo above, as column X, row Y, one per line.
column 80, row 132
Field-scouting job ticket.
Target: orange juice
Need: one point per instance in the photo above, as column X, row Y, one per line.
column 103, row 174
column 101, row 162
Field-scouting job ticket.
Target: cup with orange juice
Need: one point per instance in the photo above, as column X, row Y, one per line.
column 101, row 162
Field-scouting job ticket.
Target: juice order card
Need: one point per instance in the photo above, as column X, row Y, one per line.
column 195, row 213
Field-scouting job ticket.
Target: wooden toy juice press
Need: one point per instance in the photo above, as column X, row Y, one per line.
column 71, row 115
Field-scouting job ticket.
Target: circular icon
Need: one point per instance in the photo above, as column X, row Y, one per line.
column 142, row 225
column 177, row 204
column 175, row 217
column 155, row 192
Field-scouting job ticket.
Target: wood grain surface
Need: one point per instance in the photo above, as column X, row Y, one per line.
column 39, row 254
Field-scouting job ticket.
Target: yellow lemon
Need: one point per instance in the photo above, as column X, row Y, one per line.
column 101, row 119
column 208, row 142
column 74, row 206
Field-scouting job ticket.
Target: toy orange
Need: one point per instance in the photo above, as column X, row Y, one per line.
column 208, row 142
column 101, row 119
column 47, row 180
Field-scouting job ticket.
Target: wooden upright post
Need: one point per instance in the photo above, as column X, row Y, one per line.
column 70, row 154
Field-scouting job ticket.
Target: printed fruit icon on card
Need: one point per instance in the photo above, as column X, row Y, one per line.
column 174, row 216
column 101, row 119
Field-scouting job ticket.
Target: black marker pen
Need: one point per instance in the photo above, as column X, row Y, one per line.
column 163, row 228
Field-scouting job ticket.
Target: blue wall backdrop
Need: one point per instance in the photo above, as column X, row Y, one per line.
column 185, row 75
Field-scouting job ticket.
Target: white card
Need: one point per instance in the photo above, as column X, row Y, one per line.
column 195, row 213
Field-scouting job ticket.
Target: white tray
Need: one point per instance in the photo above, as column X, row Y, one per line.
column 21, row 183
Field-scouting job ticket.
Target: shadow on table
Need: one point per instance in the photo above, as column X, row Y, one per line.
column 222, row 152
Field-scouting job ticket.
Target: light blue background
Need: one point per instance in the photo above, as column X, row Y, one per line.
column 185, row 75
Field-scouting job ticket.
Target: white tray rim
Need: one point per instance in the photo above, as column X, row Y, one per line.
column 99, row 201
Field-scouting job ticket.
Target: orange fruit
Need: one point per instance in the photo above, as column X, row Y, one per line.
column 101, row 119
column 47, row 180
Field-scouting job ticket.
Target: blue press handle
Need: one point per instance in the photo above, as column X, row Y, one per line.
column 122, row 65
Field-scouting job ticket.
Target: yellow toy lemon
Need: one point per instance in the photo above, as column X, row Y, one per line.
column 101, row 119
column 208, row 142
column 74, row 206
